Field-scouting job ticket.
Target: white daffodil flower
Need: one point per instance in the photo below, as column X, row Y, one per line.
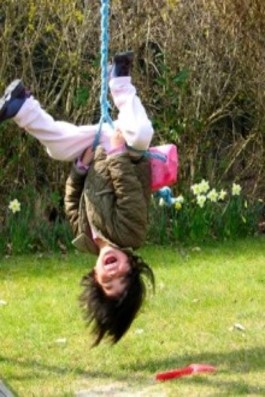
column 222, row 194
column 180, row 199
column 196, row 189
column 204, row 186
column 161, row 202
column 213, row 195
column 14, row 206
column 236, row 189
column 201, row 199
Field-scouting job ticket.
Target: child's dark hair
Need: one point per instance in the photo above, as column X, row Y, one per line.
column 110, row 316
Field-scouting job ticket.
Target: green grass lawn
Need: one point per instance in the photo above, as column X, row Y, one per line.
column 201, row 293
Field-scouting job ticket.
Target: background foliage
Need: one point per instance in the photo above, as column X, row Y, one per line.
column 199, row 69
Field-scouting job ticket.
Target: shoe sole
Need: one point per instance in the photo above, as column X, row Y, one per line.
column 14, row 89
column 129, row 55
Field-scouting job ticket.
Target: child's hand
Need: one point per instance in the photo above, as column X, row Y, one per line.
column 88, row 156
column 117, row 139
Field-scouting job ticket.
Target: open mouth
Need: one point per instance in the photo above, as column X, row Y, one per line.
column 109, row 260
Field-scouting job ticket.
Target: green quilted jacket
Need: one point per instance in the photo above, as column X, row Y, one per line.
column 112, row 198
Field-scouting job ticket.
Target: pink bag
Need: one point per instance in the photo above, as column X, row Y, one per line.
column 164, row 165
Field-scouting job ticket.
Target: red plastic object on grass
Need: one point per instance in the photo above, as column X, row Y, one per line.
column 191, row 369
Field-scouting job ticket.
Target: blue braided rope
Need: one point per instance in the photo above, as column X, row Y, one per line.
column 149, row 154
column 104, row 103
column 166, row 194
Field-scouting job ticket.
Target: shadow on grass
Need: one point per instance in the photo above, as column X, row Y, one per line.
column 233, row 363
column 40, row 370
column 241, row 360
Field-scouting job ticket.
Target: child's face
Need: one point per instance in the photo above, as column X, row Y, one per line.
column 111, row 270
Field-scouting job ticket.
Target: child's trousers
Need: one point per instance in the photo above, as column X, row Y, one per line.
column 65, row 141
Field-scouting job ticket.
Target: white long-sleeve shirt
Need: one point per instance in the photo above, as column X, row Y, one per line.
column 65, row 141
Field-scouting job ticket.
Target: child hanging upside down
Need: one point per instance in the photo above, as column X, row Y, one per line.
column 106, row 197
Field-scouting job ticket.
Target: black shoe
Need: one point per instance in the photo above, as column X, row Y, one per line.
column 122, row 64
column 12, row 100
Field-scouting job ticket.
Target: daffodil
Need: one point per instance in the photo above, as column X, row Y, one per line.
column 178, row 205
column 14, row 206
column 161, row 202
column 180, row 199
column 236, row 189
column 204, row 186
column 196, row 189
column 201, row 199
column 200, row 188
column 222, row 194
column 213, row 196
